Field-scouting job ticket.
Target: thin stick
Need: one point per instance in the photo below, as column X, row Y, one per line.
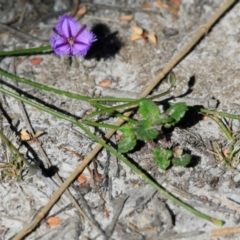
column 44, row 155
column 200, row 33
column 224, row 231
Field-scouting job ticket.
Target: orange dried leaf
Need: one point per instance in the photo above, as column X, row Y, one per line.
column 127, row 18
column 82, row 179
column 81, row 12
column 135, row 37
column 146, row 5
column 36, row 61
column 25, row 136
column 136, row 29
column 38, row 134
column 162, row 5
column 105, row 83
column 53, row 221
column 152, row 38
column 176, row 2
column 225, row 152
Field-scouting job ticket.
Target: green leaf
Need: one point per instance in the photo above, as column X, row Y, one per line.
column 183, row 160
column 166, row 119
column 145, row 131
column 177, row 111
column 162, row 157
column 149, row 111
column 129, row 140
column 126, row 144
column 172, row 78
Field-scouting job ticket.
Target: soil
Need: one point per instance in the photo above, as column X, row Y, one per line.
column 123, row 205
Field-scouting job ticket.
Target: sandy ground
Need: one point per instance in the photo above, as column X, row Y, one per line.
column 141, row 213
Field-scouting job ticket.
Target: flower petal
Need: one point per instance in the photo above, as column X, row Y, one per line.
column 83, row 42
column 59, row 45
column 67, row 26
column 80, row 48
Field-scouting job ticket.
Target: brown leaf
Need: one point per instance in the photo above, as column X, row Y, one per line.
column 126, row 18
column 36, row 61
column 82, row 179
column 146, row 5
column 135, row 37
column 105, row 83
column 176, row 2
column 81, row 12
column 38, row 134
column 53, row 221
column 225, row 152
column 136, row 29
column 162, row 5
column 25, row 136
column 152, row 38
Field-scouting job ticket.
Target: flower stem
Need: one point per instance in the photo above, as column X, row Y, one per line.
column 221, row 114
column 104, row 125
column 67, row 94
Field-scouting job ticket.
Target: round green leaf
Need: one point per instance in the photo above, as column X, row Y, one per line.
column 145, row 131
column 162, row 157
column 182, row 161
column 177, row 111
column 149, row 111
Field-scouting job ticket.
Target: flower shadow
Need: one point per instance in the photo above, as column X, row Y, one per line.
column 107, row 45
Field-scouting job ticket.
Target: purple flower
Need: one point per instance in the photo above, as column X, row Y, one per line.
column 70, row 38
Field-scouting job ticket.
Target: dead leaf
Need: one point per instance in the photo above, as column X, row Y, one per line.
column 162, row 5
column 225, row 152
column 36, row 61
column 135, row 37
column 81, row 12
column 26, row 136
column 152, row 38
column 126, row 18
column 38, row 134
column 140, row 33
column 173, row 6
column 146, row 5
column 53, row 221
column 82, row 179
column 177, row 2
column 136, row 29
column 105, row 83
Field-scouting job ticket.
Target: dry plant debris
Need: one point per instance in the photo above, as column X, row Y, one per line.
column 26, row 136
column 140, row 33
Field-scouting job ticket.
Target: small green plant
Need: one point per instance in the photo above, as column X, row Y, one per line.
column 12, row 169
column 148, row 128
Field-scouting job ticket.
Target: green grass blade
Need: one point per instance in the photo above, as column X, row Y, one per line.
column 26, row 51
